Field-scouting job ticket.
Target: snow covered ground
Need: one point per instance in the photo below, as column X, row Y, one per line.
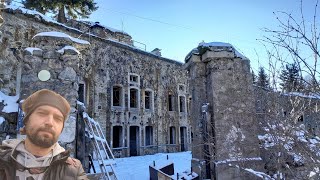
column 137, row 168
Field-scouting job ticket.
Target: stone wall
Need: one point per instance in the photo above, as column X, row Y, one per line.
column 99, row 66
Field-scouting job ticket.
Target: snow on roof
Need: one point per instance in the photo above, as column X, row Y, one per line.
column 214, row 45
column 60, row 34
column 97, row 24
column 31, row 12
column 47, row 19
column 10, row 103
column 68, row 47
column 222, row 44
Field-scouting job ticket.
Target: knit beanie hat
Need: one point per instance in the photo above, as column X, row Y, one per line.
column 45, row 97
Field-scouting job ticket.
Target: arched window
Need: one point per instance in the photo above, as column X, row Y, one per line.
column 149, row 136
column 117, row 95
column 134, row 98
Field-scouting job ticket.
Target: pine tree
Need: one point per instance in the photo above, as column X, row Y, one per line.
column 290, row 78
column 263, row 79
column 73, row 8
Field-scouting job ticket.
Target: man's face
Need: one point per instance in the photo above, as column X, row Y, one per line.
column 44, row 126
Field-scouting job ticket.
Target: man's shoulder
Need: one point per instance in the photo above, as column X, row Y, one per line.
column 5, row 151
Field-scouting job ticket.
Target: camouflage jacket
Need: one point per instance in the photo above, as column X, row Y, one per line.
column 63, row 167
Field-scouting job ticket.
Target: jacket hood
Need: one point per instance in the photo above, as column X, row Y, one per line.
column 12, row 143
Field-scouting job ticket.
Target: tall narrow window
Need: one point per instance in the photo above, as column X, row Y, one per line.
column 170, row 102
column 172, row 135
column 182, row 103
column 133, row 98
column 116, row 96
column 147, row 100
column 81, row 96
column 117, row 136
column 149, row 135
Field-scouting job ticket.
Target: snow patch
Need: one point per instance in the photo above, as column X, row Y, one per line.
column 60, row 34
column 238, row 159
column 61, row 51
column 31, row 49
column 10, row 103
column 137, row 167
column 257, row 173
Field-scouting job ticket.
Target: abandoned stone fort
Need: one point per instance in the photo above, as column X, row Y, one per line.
column 145, row 103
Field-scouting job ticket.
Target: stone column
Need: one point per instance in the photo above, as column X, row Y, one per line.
column 223, row 118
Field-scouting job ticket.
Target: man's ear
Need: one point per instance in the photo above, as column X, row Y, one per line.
column 23, row 130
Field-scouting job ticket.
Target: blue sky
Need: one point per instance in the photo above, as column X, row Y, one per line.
column 176, row 27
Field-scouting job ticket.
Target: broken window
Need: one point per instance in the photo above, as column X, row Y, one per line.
column 149, row 135
column 133, row 98
column 147, row 99
column 117, row 136
column 117, row 96
column 170, row 102
column 182, row 103
column 172, row 135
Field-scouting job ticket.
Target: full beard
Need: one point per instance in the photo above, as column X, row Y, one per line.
column 43, row 141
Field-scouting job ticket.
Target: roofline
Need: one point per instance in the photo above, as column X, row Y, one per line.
column 74, row 30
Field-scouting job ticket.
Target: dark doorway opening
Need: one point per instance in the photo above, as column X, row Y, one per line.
column 134, row 140
column 183, row 138
column 117, row 137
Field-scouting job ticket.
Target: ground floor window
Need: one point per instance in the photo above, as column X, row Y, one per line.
column 172, row 135
column 117, row 136
column 149, row 135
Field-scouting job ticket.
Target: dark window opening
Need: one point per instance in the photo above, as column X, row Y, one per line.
column 170, row 102
column 149, row 135
column 133, row 98
column 172, row 135
column 300, row 119
column 116, row 96
column 285, row 113
column 133, row 78
column 181, row 87
column 81, row 94
column 182, row 103
column 147, row 100
column 117, row 136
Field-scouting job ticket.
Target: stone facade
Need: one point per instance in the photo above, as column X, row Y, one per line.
column 144, row 103
column 125, row 89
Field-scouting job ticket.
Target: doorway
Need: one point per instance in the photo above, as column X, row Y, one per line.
column 183, row 138
column 134, row 140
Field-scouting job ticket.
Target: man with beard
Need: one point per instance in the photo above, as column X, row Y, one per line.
column 39, row 156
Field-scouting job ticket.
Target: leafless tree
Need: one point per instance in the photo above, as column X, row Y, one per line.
column 290, row 120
